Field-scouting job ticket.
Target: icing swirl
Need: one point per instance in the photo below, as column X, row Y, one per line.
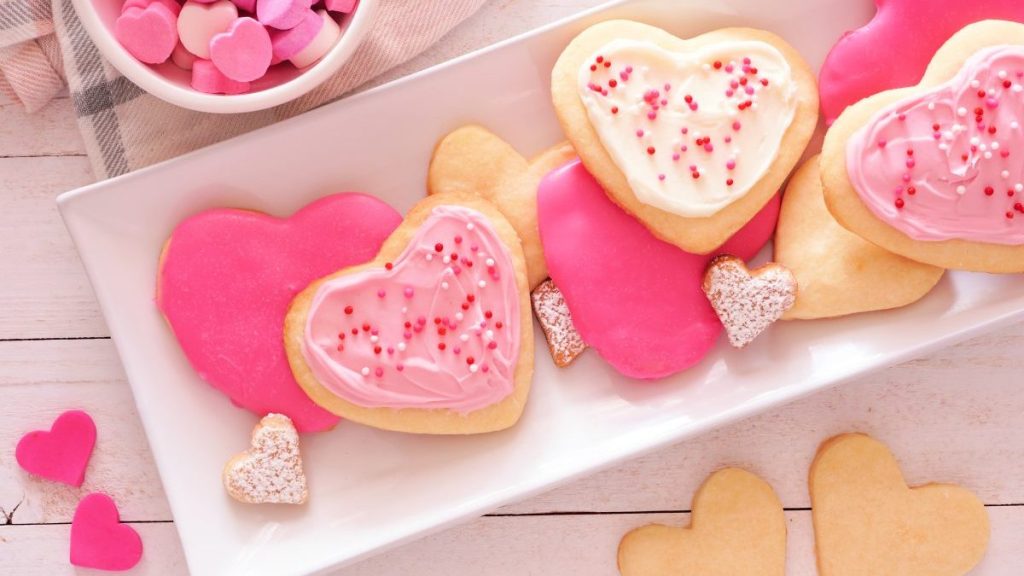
column 949, row 163
column 438, row 328
column 693, row 132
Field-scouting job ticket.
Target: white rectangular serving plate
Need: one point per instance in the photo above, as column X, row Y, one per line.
column 371, row 489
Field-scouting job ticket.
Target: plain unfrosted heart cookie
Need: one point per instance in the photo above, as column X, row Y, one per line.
column 61, row 453
column 472, row 160
column 748, row 301
column 270, row 471
column 936, row 172
column 737, row 528
column 227, row 277
column 867, row 521
column 862, row 63
column 693, row 137
column 839, row 272
column 433, row 336
column 98, row 538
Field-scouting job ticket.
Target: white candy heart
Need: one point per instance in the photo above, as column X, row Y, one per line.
column 271, row 470
column 198, row 23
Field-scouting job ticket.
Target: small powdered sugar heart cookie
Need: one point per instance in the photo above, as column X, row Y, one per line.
column 433, row 336
column 748, row 301
column 270, row 471
column 555, row 319
column 935, row 172
column 692, row 137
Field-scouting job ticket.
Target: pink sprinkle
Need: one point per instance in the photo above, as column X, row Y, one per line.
column 380, row 293
column 629, row 69
column 731, row 164
column 708, row 147
column 484, row 368
column 374, row 332
column 668, row 87
column 684, row 130
column 652, row 115
column 399, row 367
column 991, row 102
column 407, row 335
column 693, row 167
column 391, row 350
column 379, row 372
column 729, row 68
column 910, row 162
column 746, row 61
column 458, row 239
column 408, row 292
column 902, row 117
column 675, row 156
column 729, row 93
column 683, row 148
column 456, row 270
column 734, row 84
column 736, row 125
column 457, row 350
column 492, row 345
column 664, row 102
column 906, row 177
column 661, row 176
column 421, row 320
column 749, row 89
column 473, row 248
column 1004, row 153
column 881, row 143
column 639, row 133
column 728, row 139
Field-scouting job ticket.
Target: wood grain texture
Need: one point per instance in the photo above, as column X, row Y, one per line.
column 51, row 131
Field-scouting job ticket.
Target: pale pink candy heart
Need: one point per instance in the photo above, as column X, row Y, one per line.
column 198, row 23
column 62, row 453
column 99, row 540
column 246, row 5
column 207, row 78
column 288, row 43
column 342, row 6
column 171, row 5
column 182, row 58
column 282, row 14
column 243, row 52
column 149, row 34
column 321, row 43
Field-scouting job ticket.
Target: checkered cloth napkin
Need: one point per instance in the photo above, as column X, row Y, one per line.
column 44, row 45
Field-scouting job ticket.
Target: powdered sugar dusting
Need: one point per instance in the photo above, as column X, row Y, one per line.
column 747, row 301
column 564, row 341
column 271, row 470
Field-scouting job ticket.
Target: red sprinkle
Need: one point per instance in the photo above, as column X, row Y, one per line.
column 441, row 346
column 348, row 309
column 899, row 202
column 438, row 247
column 989, row 191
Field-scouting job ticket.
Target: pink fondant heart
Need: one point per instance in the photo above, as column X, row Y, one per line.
column 635, row 299
column 862, row 63
column 99, row 540
column 61, row 454
column 228, row 277
column 149, row 34
column 242, row 52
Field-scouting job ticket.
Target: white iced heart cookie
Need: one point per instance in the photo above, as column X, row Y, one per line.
column 748, row 301
column 270, row 471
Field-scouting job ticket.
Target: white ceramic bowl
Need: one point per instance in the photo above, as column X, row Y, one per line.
column 168, row 82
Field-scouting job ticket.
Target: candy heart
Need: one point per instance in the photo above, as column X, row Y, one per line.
column 433, row 336
column 748, row 301
column 862, row 63
column 341, row 6
column 62, row 454
column 246, row 5
column 209, row 79
column 288, row 43
column 198, row 23
column 282, row 14
column 737, row 527
column 99, row 540
column 670, row 129
column 321, row 44
column 149, row 34
column 660, row 322
column 868, row 521
column 935, row 172
column 182, row 58
column 839, row 272
column 270, row 471
column 171, row 5
column 243, row 51
column 227, row 277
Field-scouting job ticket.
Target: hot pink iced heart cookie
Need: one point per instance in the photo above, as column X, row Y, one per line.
column 243, row 51
column 62, row 453
column 228, row 276
column 99, row 540
column 863, row 63
column 635, row 299
column 198, row 23
column 149, row 34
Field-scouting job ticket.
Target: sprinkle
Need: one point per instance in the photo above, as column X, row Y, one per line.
column 401, row 346
column 365, row 371
column 348, row 310
column 482, row 283
column 961, row 190
column 407, row 292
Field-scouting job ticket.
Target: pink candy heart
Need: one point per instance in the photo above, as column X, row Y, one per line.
column 243, row 52
column 99, row 540
column 171, row 5
column 635, row 299
column 208, row 79
column 62, row 453
column 341, row 6
column 199, row 23
column 320, row 44
column 288, row 43
column 282, row 14
column 149, row 34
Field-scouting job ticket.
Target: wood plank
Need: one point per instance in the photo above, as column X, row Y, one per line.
column 52, row 131
column 514, row 546
column 45, row 292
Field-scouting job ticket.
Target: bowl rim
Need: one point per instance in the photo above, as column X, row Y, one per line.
column 186, row 97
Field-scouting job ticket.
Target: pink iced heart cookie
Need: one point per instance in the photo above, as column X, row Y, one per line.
column 635, row 299
column 228, row 276
column 198, row 23
column 99, row 540
column 433, row 336
column 862, row 62
column 282, row 14
column 149, row 34
column 62, row 453
column 243, row 51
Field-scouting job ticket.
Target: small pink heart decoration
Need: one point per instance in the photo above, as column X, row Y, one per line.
column 62, row 453
column 99, row 540
column 243, row 52
column 149, row 34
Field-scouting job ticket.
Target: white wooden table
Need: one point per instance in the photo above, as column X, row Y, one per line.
column 957, row 415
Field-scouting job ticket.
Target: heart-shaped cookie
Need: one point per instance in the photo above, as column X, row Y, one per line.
column 861, row 62
column 635, row 299
column 270, row 471
column 99, row 540
column 839, row 272
column 433, row 336
column 227, row 278
column 472, row 160
column 62, row 453
column 868, row 521
column 737, row 528
column 693, row 137
column 748, row 301
column 935, row 172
